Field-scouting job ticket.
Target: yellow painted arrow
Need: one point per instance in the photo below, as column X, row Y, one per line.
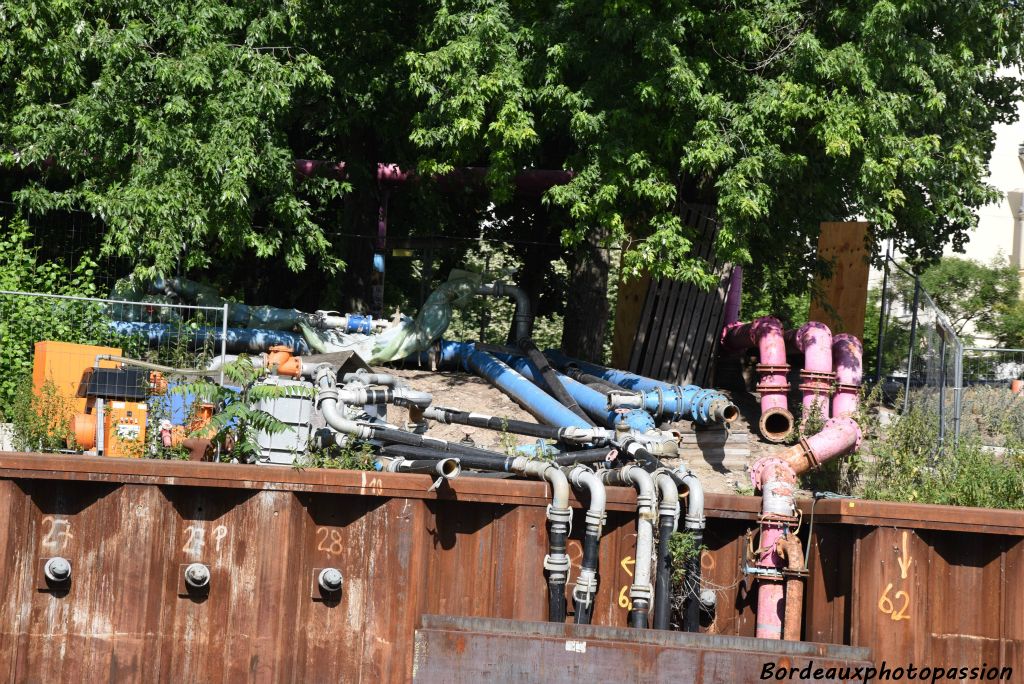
column 625, row 563
column 905, row 560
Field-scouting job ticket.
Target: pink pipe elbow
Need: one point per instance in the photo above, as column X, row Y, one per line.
column 766, row 333
column 848, row 358
column 814, row 339
column 776, row 421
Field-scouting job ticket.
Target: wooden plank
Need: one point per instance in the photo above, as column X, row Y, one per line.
column 688, row 356
column 630, row 308
column 843, row 300
column 643, row 329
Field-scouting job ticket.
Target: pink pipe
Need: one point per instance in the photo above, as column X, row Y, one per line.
column 778, row 513
column 766, row 334
column 814, row 339
column 848, row 358
column 776, row 477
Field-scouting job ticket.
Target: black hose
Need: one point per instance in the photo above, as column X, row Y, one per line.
column 691, row 603
column 556, row 589
column 518, row 427
column 439, row 446
column 500, row 464
column 663, row 575
column 638, row 615
column 585, row 456
column 592, row 380
column 554, row 383
column 591, row 542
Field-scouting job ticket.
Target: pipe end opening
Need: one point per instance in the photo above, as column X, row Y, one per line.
column 450, row 468
column 776, row 425
column 730, row 413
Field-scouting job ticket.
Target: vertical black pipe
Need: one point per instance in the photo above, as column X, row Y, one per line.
column 557, row 534
column 591, row 540
column 638, row 615
column 691, row 584
column 663, row 574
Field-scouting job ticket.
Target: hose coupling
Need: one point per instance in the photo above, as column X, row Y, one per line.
column 557, row 565
column 640, row 592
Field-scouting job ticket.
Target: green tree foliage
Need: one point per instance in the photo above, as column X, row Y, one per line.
column 167, row 120
column 176, row 123
column 785, row 113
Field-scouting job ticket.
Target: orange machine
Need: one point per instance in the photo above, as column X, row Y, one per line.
column 62, row 363
column 124, row 429
column 114, row 421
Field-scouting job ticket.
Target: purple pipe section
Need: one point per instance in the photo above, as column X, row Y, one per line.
column 766, row 334
column 848, row 358
column 734, row 300
column 528, row 182
column 814, row 339
column 776, row 477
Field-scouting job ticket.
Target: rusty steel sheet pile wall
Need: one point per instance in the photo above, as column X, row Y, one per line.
column 473, row 549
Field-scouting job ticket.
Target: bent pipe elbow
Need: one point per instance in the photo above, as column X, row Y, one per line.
column 522, row 318
column 694, row 518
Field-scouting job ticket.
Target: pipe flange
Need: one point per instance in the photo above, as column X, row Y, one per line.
column 816, row 387
column 757, row 470
column 770, row 369
column 847, row 388
column 851, row 424
column 808, row 454
column 798, row 573
column 821, row 376
column 762, row 388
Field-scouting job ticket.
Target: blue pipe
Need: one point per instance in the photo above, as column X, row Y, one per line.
column 358, row 323
column 239, row 340
column 590, row 400
column 674, row 402
column 465, row 355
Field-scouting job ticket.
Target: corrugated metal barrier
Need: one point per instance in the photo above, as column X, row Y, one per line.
column 928, row 585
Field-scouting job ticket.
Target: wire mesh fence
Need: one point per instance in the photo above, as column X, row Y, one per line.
column 52, row 350
column 919, row 354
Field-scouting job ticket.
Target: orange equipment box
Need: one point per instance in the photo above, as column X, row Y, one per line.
column 63, row 363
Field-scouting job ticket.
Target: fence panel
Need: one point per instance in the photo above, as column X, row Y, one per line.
column 920, row 353
column 54, row 328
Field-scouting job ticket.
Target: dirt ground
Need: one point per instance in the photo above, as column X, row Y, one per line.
column 469, row 393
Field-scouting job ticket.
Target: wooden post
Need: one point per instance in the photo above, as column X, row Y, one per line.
column 843, row 297
column 628, row 309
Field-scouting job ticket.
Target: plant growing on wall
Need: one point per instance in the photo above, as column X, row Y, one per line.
column 237, row 422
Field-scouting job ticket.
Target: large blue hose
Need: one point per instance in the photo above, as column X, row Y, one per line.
column 674, row 402
column 239, row 340
column 590, row 400
column 543, row 407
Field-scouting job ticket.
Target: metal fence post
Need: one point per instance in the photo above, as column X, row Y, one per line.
column 913, row 341
column 881, row 320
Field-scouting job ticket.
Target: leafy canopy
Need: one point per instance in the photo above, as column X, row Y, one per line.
column 177, row 123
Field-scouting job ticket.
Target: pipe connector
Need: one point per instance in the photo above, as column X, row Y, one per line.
column 57, row 569
column 197, row 576
column 330, row 580
column 641, row 592
column 586, row 587
column 668, row 494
